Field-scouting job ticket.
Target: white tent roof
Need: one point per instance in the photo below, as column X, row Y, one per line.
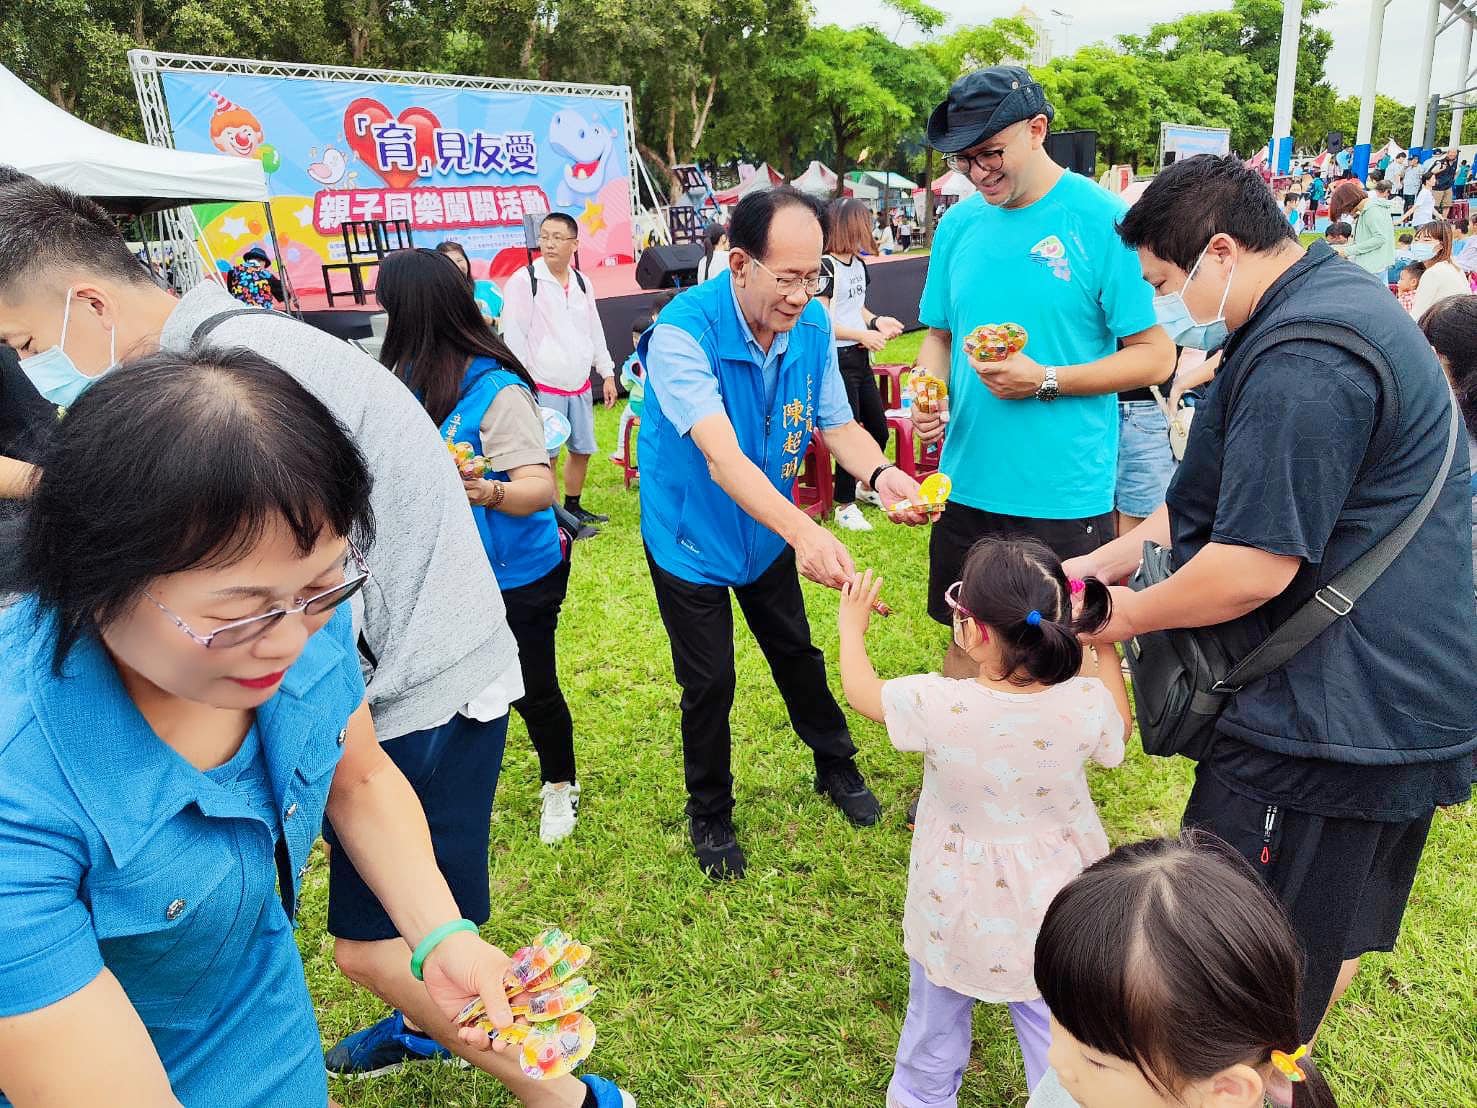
column 762, row 178
column 816, row 179
column 41, row 139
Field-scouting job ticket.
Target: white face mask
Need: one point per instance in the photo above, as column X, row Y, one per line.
column 53, row 372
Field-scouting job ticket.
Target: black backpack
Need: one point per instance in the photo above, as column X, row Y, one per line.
column 533, row 282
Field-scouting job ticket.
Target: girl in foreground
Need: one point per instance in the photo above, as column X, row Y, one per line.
column 1172, row 977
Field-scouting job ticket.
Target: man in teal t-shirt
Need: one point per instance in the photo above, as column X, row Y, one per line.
column 1032, row 441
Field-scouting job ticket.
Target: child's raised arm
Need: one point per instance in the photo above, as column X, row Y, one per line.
column 1109, row 671
column 859, row 681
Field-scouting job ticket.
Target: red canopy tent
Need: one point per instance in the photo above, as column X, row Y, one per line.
column 762, row 178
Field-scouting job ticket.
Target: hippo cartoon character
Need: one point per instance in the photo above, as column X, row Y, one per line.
column 588, row 147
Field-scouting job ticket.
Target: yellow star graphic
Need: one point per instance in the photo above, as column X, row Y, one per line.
column 593, row 217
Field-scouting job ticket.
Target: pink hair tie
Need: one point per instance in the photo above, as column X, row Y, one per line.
column 1077, row 585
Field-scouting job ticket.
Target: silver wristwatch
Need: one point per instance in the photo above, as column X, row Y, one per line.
column 1048, row 389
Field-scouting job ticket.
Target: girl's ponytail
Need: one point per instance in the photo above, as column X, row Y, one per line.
column 1312, row 1091
column 1096, row 608
column 1050, row 651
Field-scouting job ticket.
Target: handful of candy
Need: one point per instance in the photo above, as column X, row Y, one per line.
column 994, row 342
column 929, row 393
column 468, row 464
column 546, row 998
column 933, row 493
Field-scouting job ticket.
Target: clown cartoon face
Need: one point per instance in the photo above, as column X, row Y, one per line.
column 233, row 129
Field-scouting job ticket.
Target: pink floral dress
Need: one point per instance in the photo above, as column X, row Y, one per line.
column 1005, row 819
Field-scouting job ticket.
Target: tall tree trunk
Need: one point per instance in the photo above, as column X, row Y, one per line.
column 700, row 115
column 928, row 197
column 525, row 55
column 839, row 132
column 674, row 186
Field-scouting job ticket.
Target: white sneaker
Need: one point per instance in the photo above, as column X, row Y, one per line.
column 561, row 804
column 869, row 496
column 850, row 518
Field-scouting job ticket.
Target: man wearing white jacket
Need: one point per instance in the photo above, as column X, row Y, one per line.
column 550, row 322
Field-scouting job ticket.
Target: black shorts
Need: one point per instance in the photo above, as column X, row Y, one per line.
column 960, row 527
column 1344, row 883
column 454, row 770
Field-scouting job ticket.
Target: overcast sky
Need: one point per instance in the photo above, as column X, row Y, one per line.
column 1348, row 20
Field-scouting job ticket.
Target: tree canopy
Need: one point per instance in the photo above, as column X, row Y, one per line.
column 720, row 80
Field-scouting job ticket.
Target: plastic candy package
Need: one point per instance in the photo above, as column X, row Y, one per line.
column 994, row 342
column 933, row 492
column 546, row 999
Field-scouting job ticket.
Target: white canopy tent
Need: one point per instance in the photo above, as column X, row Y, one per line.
column 816, row 180
column 45, row 141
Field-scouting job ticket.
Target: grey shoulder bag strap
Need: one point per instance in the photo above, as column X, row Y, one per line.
column 1338, row 597
column 208, row 325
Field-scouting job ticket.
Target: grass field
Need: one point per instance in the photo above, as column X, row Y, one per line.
column 789, row 988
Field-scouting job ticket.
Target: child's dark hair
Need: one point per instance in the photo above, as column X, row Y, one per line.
column 1016, row 587
column 1172, row 955
column 178, row 461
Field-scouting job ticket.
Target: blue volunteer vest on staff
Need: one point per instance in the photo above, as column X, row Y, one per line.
column 521, row 548
column 694, row 529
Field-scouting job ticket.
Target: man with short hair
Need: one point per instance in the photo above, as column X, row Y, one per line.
column 1032, row 443
column 740, row 370
column 442, row 663
column 1324, row 774
column 1444, row 167
column 550, row 321
column 1395, row 171
column 1410, row 183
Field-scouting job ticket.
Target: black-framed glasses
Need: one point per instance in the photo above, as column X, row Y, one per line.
column 242, row 631
column 986, row 161
column 809, row 285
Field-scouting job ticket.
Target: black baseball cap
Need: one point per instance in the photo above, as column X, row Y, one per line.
column 984, row 103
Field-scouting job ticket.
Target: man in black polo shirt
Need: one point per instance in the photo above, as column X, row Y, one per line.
column 1327, row 772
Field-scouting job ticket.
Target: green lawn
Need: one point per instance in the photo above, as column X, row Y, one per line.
column 789, row 988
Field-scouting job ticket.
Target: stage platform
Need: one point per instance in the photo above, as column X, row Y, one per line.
column 897, row 284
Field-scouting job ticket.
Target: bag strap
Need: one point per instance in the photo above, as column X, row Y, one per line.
column 578, row 276
column 216, row 320
column 1337, row 598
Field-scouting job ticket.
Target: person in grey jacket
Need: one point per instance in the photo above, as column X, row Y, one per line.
column 441, row 665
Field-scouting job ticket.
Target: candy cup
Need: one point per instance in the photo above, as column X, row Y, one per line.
column 536, row 959
column 554, row 1049
column 935, row 489
column 573, row 960
column 554, row 1003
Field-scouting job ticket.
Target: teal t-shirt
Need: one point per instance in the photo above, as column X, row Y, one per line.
column 1058, row 269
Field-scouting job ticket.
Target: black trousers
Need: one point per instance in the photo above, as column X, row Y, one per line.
column 866, row 405
column 533, row 617
column 699, row 623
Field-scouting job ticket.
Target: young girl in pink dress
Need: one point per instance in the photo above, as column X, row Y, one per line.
column 1005, row 819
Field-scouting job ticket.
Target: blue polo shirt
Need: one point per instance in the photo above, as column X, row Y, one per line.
column 1058, row 268
column 120, row 855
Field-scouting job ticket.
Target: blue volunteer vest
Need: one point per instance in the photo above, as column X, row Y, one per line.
column 693, row 529
column 522, row 549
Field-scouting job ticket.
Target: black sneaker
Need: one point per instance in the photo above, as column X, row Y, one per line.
column 586, row 532
column 716, row 846
column 586, row 516
column 913, row 813
column 849, row 792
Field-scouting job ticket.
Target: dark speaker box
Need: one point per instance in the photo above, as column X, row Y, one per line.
column 663, row 266
column 1074, row 150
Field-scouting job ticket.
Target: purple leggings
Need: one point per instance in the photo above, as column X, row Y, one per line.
column 934, row 1047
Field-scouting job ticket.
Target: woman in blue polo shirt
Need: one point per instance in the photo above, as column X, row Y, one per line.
column 180, row 706
column 475, row 389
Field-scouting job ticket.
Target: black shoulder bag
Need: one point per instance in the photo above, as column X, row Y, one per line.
column 1184, row 677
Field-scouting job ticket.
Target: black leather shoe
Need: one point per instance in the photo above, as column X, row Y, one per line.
column 716, row 846
column 849, row 792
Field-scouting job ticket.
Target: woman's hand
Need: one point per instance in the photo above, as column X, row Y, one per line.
column 873, row 341
column 462, row 968
column 887, row 326
column 481, row 492
column 1119, row 627
column 607, row 392
column 858, row 595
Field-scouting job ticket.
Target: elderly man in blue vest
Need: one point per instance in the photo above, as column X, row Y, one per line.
column 740, row 370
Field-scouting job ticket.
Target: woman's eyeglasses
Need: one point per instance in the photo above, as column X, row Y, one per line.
column 242, row 631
